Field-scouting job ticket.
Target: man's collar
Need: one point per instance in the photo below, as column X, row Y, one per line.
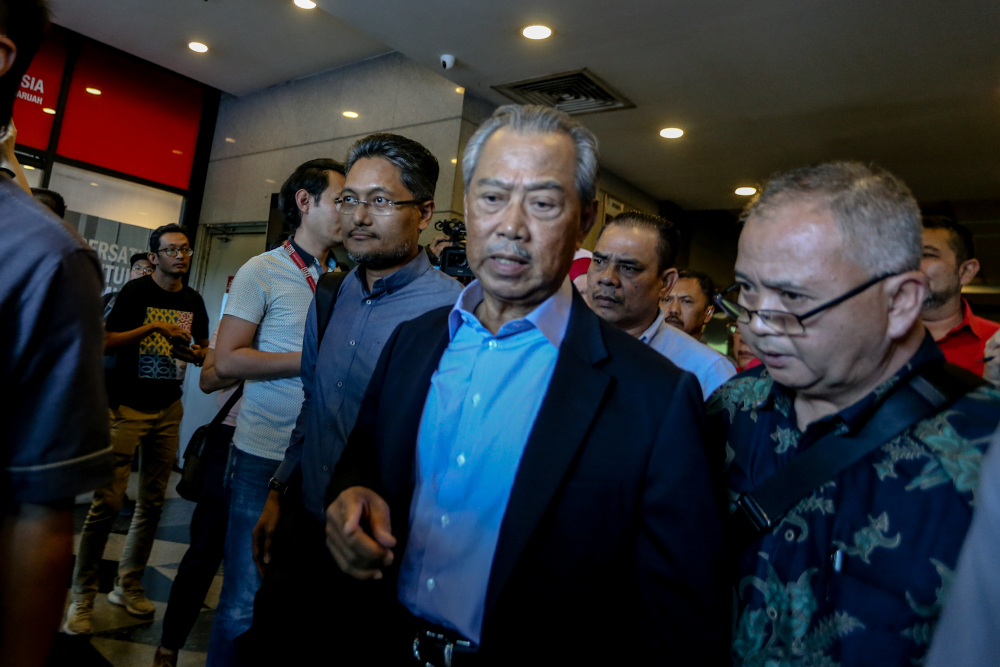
column 649, row 333
column 398, row 279
column 974, row 323
column 551, row 317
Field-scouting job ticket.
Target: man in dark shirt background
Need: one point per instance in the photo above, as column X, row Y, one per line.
column 55, row 442
column 150, row 329
column 139, row 266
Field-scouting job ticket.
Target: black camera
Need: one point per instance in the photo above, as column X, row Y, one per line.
column 453, row 260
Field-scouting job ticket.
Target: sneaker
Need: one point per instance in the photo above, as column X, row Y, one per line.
column 78, row 617
column 133, row 599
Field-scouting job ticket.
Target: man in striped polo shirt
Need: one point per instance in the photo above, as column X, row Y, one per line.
column 260, row 342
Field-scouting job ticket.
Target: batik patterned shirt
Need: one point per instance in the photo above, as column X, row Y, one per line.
column 855, row 574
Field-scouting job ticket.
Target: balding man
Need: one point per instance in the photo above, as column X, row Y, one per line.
column 631, row 270
column 853, row 453
column 525, row 482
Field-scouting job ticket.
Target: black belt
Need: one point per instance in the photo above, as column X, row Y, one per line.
column 434, row 649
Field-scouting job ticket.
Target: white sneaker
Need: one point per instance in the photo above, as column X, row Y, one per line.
column 78, row 617
column 133, row 599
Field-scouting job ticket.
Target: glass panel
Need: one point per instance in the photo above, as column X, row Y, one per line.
column 114, row 199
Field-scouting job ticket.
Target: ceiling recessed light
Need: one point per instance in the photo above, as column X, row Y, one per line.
column 94, row 184
column 269, row 180
column 177, row 152
column 537, row 32
column 28, row 167
column 460, row 90
column 671, row 133
column 305, row 4
column 49, row 111
column 746, row 192
column 454, row 160
column 351, row 114
column 93, row 91
column 197, row 47
column 230, row 140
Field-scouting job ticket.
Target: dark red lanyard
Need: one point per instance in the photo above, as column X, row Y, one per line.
column 299, row 263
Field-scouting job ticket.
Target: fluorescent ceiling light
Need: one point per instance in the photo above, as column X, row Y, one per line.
column 93, row 91
column 48, row 110
column 305, row 4
column 537, row 32
column 746, row 192
column 351, row 114
column 671, row 133
column 197, row 47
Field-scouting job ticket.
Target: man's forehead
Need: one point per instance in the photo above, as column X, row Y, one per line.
column 527, row 158
column 173, row 238
column 937, row 238
column 686, row 287
column 624, row 242
column 370, row 174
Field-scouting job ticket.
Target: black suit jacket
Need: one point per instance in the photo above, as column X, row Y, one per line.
column 611, row 542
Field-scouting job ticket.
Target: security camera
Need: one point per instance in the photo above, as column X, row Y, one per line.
column 447, row 61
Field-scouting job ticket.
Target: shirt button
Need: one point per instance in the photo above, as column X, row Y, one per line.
column 445, row 520
column 475, row 400
column 326, row 468
column 369, row 302
column 340, row 384
column 460, row 460
column 493, row 345
column 352, row 342
column 430, row 584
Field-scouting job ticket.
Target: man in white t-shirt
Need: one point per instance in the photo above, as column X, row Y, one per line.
column 260, row 342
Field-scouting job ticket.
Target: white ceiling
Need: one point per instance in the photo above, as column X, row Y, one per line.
column 252, row 43
column 757, row 86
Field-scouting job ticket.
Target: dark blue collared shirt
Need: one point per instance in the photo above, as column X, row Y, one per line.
column 335, row 377
column 855, row 574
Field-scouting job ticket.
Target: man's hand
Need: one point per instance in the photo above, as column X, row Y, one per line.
column 7, row 139
column 357, row 553
column 194, row 354
column 263, row 532
column 992, row 370
column 438, row 244
column 168, row 330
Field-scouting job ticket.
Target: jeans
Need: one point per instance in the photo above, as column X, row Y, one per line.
column 248, row 493
column 156, row 435
column 208, row 535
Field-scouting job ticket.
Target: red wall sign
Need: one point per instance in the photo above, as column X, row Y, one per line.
column 39, row 91
column 141, row 120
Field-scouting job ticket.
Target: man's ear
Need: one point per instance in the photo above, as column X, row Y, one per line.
column 426, row 213
column 304, row 201
column 906, row 294
column 967, row 271
column 588, row 214
column 153, row 259
column 8, row 54
column 667, row 279
column 708, row 313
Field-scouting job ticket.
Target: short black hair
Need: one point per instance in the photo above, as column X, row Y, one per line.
column 668, row 239
column 24, row 22
column 136, row 257
column 52, row 199
column 418, row 168
column 705, row 283
column 310, row 176
column 154, row 238
column 961, row 236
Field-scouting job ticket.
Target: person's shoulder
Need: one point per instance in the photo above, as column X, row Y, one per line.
column 986, row 327
column 691, row 347
column 33, row 231
column 264, row 264
column 436, row 281
column 432, row 322
column 742, row 392
column 630, row 360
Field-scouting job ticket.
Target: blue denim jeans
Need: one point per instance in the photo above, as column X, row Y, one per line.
column 248, row 492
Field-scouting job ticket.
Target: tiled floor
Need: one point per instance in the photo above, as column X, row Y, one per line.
column 119, row 639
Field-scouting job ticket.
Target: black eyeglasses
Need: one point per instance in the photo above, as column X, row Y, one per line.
column 173, row 252
column 377, row 205
column 782, row 321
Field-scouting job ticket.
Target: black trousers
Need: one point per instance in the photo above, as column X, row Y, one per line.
column 208, row 535
column 307, row 611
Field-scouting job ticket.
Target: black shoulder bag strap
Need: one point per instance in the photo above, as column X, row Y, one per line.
column 928, row 391
column 327, row 290
column 224, row 411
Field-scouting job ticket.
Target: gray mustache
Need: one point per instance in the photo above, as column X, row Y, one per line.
column 509, row 248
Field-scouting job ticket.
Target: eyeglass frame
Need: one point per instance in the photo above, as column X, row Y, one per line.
column 338, row 202
column 142, row 269
column 177, row 251
column 742, row 310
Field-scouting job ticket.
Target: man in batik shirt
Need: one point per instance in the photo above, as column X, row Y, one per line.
column 856, row 573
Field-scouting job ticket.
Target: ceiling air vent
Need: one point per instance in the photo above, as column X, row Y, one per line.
column 576, row 92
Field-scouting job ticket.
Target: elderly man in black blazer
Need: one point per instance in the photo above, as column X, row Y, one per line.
column 527, row 484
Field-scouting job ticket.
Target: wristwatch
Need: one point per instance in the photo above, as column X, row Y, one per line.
column 275, row 485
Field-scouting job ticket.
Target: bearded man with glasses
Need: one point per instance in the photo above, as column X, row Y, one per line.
column 852, row 454
column 156, row 327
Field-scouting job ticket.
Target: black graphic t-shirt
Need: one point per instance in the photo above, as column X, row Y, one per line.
column 146, row 377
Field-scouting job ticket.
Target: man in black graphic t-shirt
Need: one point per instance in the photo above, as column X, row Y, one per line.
column 157, row 326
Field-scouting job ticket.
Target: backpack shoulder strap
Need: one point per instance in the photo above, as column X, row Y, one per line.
column 327, row 290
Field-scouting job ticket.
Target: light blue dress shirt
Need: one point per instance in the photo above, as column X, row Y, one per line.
column 481, row 407
column 689, row 354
